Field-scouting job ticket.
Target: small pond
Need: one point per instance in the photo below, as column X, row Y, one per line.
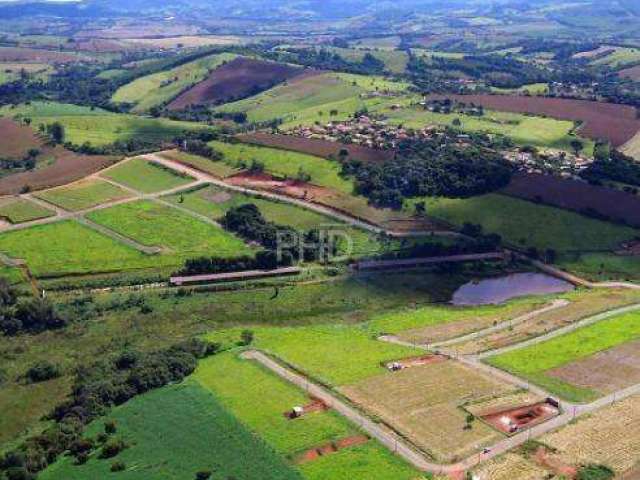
column 500, row 289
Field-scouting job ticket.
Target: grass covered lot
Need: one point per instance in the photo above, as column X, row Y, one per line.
column 527, row 224
column 175, row 432
column 214, row 202
column 99, row 127
column 179, row 234
column 159, row 88
column 534, row 361
column 285, row 163
column 217, row 169
column 259, row 399
column 20, row 210
column 146, row 176
column 311, row 97
column 67, row 247
column 83, row 194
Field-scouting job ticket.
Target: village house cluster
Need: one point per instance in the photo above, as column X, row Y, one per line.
column 364, row 131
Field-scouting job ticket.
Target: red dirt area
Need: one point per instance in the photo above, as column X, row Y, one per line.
column 616, row 123
column 517, row 419
column 576, row 195
column 333, row 447
column 22, row 54
column 416, row 361
column 16, row 139
column 632, row 73
column 234, row 80
column 316, row 405
column 633, row 474
column 554, row 464
column 317, row 147
column 291, row 188
column 102, row 45
column 68, row 167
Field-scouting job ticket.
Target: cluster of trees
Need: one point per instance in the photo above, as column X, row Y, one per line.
column 31, row 315
column 481, row 243
column 435, row 167
column 264, row 260
column 248, row 222
column 198, row 147
column 323, row 59
column 27, row 162
column 616, row 166
column 98, row 388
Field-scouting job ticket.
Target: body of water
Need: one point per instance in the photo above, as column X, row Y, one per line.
column 500, row 289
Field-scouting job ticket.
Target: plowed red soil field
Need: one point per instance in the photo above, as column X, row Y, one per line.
column 16, row 139
column 234, row 80
column 576, row 195
column 317, row 147
column 616, row 123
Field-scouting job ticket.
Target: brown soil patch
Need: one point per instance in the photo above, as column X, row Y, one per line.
column 291, row 188
column 317, row 147
column 606, row 372
column 576, row 195
column 552, row 463
column 514, row 420
column 22, row 54
column 16, row 139
column 316, row 405
column 632, row 73
column 633, row 474
column 237, row 79
column 217, row 197
column 333, row 447
column 68, row 167
column 616, row 123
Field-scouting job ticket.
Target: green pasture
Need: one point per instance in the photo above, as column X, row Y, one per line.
column 532, row 89
column 603, row 266
column 20, row 210
column 333, row 354
column 146, row 176
column 258, row 399
column 159, row 88
column 286, row 163
column 83, row 195
column 179, row 234
column 620, row 57
column 66, row 248
column 395, row 61
column 216, row 168
column 534, row 361
column 523, row 129
column 99, row 127
column 295, row 95
column 527, row 224
column 175, row 432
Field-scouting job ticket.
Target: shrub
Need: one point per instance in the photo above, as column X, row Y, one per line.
column 595, row 472
column 112, row 448
column 203, row 475
column 41, row 372
column 110, row 427
column 118, row 467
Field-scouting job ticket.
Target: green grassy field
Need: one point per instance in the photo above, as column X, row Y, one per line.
column 217, row 169
column 175, row 432
column 179, row 234
column 527, row 224
column 311, row 98
column 99, row 127
column 394, row 60
column 620, row 57
column 20, row 210
column 284, row 163
column 84, row 194
column 70, row 248
column 603, row 266
column 146, row 176
column 244, row 395
column 10, row 72
column 533, row 89
column 532, row 362
column 523, row 129
column 214, row 202
column 159, row 88
column 334, row 354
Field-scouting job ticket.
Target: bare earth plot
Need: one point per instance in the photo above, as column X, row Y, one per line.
column 610, row 437
column 424, row 404
column 605, row 372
